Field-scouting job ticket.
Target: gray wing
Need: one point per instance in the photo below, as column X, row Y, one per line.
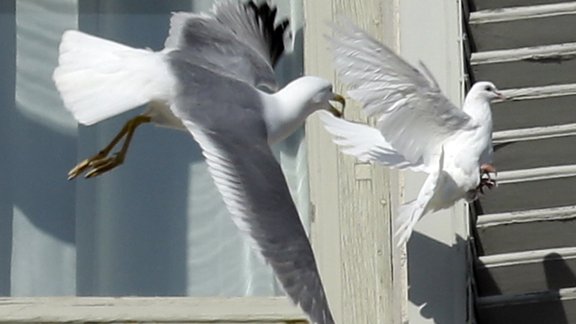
column 255, row 25
column 241, row 40
column 233, row 138
column 412, row 113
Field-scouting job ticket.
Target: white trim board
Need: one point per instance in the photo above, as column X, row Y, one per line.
column 149, row 310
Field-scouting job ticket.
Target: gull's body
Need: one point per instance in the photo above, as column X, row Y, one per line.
column 417, row 127
column 208, row 80
column 228, row 41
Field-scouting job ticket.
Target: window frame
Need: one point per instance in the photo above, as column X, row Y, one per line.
column 149, row 310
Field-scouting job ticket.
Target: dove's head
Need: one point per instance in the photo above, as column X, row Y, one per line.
column 485, row 90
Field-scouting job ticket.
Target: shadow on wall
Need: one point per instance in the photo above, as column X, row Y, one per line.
column 430, row 286
column 559, row 274
column 547, row 308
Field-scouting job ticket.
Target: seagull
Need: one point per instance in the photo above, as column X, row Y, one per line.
column 242, row 41
column 209, row 80
column 417, row 127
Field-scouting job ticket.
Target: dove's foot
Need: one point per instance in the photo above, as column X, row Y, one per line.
column 487, row 168
column 486, row 180
column 102, row 162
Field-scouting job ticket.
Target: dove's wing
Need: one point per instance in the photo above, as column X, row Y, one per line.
column 412, row 113
column 364, row 143
column 241, row 40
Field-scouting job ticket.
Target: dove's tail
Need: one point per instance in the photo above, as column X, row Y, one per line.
column 410, row 212
column 408, row 215
column 98, row 78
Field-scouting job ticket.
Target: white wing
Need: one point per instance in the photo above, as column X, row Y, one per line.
column 412, row 114
column 364, row 143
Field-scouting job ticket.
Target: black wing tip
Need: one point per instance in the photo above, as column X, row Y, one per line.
column 274, row 33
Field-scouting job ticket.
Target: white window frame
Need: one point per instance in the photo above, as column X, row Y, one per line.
column 352, row 201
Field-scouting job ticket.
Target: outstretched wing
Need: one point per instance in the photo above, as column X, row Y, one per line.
column 241, row 40
column 412, row 113
column 230, row 129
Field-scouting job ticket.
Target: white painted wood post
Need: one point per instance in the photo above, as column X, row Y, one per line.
column 351, row 200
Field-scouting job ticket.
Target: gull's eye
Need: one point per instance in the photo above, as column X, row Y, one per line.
column 488, row 88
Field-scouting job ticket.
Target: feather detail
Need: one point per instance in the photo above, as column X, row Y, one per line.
column 364, row 143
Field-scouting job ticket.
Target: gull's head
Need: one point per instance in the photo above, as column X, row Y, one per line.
column 295, row 102
column 486, row 90
column 316, row 93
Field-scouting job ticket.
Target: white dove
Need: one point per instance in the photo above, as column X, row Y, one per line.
column 417, row 127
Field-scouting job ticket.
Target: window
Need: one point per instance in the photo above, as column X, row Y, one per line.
column 156, row 226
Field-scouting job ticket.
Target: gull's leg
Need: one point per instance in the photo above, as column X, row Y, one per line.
column 101, row 162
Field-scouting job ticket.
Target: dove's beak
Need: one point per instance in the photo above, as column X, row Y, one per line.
column 338, row 98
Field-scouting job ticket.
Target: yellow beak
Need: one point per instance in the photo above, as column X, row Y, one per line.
column 338, row 98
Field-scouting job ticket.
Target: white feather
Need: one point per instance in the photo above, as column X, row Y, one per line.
column 411, row 212
column 415, row 122
column 98, row 78
column 364, row 143
column 412, row 113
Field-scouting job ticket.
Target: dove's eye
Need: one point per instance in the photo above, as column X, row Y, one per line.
column 488, row 88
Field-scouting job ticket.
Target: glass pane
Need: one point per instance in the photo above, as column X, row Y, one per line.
column 155, row 226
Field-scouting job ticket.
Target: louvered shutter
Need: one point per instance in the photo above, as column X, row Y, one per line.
column 525, row 232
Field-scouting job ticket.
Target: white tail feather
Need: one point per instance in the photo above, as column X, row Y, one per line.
column 98, row 78
column 408, row 215
column 411, row 212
